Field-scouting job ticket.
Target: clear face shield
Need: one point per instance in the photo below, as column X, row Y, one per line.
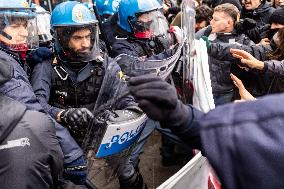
column 18, row 29
column 43, row 24
column 77, row 43
column 149, row 25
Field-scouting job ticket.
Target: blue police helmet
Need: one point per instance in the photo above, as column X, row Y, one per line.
column 72, row 13
column 17, row 8
column 100, row 6
column 111, row 7
column 131, row 8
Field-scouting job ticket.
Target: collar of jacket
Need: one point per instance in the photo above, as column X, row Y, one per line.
column 83, row 73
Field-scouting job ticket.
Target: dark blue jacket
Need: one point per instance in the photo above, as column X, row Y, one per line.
column 42, row 84
column 132, row 48
column 220, row 70
column 242, row 141
column 261, row 14
column 20, row 89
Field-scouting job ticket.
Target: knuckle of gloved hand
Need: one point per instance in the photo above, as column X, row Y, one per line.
column 79, row 112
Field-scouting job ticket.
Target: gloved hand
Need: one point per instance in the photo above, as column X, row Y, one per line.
column 258, row 33
column 76, row 171
column 39, row 55
column 76, row 118
column 245, row 24
column 208, row 43
column 103, row 116
column 264, row 31
column 158, row 100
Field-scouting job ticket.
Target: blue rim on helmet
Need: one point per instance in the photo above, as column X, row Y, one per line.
column 16, row 8
column 131, row 8
column 72, row 13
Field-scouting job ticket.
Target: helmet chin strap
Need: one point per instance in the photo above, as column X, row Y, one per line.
column 5, row 35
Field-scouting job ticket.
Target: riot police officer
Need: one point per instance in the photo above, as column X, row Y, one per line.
column 143, row 31
column 80, row 78
column 18, row 35
column 28, row 143
column 107, row 8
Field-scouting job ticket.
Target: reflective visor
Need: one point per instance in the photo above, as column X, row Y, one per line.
column 148, row 25
column 77, row 43
column 18, row 28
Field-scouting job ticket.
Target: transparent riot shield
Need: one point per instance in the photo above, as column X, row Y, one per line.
column 188, row 31
column 133, row 66
column 113, row 133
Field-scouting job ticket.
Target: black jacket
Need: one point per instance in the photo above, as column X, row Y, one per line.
column 261, row 14
column 220, row 70
column 243, row 144
column 259, row 83
column 30, row 153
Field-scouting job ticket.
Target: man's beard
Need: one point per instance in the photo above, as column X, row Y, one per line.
column 79, row 55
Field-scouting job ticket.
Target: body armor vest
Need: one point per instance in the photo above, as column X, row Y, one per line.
column 66, row 94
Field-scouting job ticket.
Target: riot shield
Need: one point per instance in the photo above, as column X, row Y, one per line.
column 113, row 132
column 188, row 31
column 134, row 66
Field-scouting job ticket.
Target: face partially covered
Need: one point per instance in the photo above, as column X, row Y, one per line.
column 251, row 4
column 275, row 25
column 149, row 25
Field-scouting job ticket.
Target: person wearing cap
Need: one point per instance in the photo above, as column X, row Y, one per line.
column 277, row 19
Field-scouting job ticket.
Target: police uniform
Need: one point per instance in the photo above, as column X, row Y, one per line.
column 59, row 87
column 20, row 89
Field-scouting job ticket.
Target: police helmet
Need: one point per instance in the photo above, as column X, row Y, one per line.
column 18, row 12
column 43, row 24
column 68, row 18
column 131, row 9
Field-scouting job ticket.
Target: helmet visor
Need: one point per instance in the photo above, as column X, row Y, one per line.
column 18, row 27
column 150, row 24
column 78, row 43
column 43, row 24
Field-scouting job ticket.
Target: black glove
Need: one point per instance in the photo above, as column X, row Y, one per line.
column 264, row 31
column 39, row 55
column 76, row 118
column 103, row 116
column 245, row 24
column 258, row 33
column 158, row 100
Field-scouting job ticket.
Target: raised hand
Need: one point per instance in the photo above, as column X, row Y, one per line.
column 247, row 59
column 244, row 94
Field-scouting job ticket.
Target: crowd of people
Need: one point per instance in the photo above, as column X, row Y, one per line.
column 57, row 67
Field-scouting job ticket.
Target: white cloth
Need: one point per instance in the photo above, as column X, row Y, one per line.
column 202, row 94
